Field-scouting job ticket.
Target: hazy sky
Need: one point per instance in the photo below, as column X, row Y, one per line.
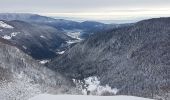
column 90, row 9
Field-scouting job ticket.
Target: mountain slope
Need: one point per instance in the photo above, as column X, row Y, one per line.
column 133, row 59
column 44, row 37
column 25, row 17
column 87, row 28
column 21, row 77
column 58, row 23
column 40, row 41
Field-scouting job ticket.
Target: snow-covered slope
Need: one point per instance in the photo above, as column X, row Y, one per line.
column 76, row 97
column 21, row 77
column 134, row 59
column 5, row 25
column 39, row 41
column 41, row 37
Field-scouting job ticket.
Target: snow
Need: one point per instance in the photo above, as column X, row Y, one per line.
column 44, row 61
column 13, row 34
column 94, row 85
column 80, row 97
column 4, row 25
column 74, row 33
column 61, row 52
column 43, row 37
column 91, row 86
column 73, row 41
column 6, row 37
column 24, row 47
column 19, row 88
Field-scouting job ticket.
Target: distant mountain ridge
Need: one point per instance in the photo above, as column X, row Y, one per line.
column 61, row 24
column 44, row 37
column 35, row 18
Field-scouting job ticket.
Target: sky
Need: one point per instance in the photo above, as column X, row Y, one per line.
column 90, row 9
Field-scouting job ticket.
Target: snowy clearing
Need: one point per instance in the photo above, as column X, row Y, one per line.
column 6, row 37
column 11, row 35
column 61, row 52
column 44, row 61
column 81, row 97
column 43, row 37
column 73, row 41
column 14, row 34
column 4, row 25
column 74, row 33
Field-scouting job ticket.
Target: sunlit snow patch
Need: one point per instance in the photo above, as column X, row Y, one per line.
column 4, row 25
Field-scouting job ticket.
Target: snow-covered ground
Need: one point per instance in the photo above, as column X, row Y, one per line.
column 81, row 97
column 91, row 86
column 43, row 37
column 24, row 47
column 44, row 61
column 13, row 34
column 60, row 52
column 5, row 25
column 74, row 33
column 6, row 37
column 73, row 41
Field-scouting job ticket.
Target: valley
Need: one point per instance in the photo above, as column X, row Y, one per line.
column 41, row 56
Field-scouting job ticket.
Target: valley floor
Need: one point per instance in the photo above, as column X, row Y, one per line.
column 82, row 97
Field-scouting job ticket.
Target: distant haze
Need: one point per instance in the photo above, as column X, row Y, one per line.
column 106, row 21
column 103, row 10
